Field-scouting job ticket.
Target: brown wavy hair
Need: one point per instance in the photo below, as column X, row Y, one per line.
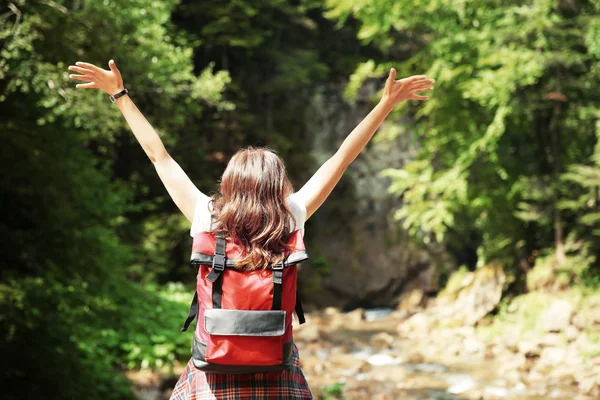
column 251, row 208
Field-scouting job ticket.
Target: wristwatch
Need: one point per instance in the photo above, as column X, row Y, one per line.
column 114, row 97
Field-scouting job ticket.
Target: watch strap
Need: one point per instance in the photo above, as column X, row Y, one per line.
column 114, row 97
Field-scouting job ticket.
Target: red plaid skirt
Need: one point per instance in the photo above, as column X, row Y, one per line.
column 197, row 385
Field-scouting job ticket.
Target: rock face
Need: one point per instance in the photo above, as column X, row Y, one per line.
column 360, row 256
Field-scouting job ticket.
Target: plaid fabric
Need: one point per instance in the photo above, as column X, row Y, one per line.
column 197, row 385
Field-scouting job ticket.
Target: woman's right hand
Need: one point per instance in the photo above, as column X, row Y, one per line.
column 97, row 78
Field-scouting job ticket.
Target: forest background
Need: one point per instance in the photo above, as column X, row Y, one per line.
column 503, row 166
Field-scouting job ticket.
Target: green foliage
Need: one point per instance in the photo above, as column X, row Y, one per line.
column 549, row 273
column 70, row 320
column 322, row 265
column 91, row 230
column 504, row 164
column 332, row 391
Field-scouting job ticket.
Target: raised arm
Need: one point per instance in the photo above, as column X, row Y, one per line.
column 181, row 189
column 320, row 185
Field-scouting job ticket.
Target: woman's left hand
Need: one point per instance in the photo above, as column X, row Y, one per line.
column 97, row 78
column 396, row 91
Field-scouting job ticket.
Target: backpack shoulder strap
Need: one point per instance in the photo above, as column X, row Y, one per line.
column 299, row 310
column 214, row 276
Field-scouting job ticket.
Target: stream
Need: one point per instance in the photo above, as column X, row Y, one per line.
column 361, row 354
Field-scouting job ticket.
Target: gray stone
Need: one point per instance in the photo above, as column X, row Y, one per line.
column 365, row 257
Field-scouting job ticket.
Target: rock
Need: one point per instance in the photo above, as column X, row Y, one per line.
column 590, row 386
column 470, row 296
column 307, row 333
column 510, row 343
column 332, row 318
column 381, row 340
column 417, row 324
column 557, row 317
column 563, row 375
column 412, row 300
column 579, row 321
column 331, row 311
column 414, row 358
column 466, row 331
column 582, row 343
column 571, row 333
column 367, row 257
column 529, row 349
column 355, row 316
column 473, row 345
column 551, row 340
column 511, row 363
column 552, row 356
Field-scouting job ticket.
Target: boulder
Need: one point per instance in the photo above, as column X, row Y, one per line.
column 469, row 296
column 365, row 258
column 418, row 324
column 557, row 317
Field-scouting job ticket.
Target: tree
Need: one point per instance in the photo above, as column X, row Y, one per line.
column 515, row 107
column 64, row 293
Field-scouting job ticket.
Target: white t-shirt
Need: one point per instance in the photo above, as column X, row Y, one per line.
column 202, row 217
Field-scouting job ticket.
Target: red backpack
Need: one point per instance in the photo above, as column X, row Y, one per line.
column 244, row 317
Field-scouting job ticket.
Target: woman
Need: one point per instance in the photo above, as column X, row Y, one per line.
column 254, row 189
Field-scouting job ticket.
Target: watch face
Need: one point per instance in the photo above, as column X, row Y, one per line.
column 112, row 98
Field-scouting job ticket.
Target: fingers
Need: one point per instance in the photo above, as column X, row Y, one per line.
column 113, row 66
column 392, row 75
column 81, row 77
column 90, row 85
column 417, row 97
column 89, row 66
column 421, row 89
column 421, row 82
column 81, row 70
column 415, row 78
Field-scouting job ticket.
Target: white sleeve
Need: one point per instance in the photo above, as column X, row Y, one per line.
column 298, row 209
column 202, row 217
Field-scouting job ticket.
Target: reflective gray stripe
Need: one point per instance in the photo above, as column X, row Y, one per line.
column 219, row 321
column 199, row 360
column 207, row 259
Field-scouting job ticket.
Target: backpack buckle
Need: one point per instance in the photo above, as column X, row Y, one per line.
column 219, row 262
column 218, row 266
column 277, row 271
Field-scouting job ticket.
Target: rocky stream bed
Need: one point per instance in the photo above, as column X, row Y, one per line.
column 540, row 345
column 381, row 354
